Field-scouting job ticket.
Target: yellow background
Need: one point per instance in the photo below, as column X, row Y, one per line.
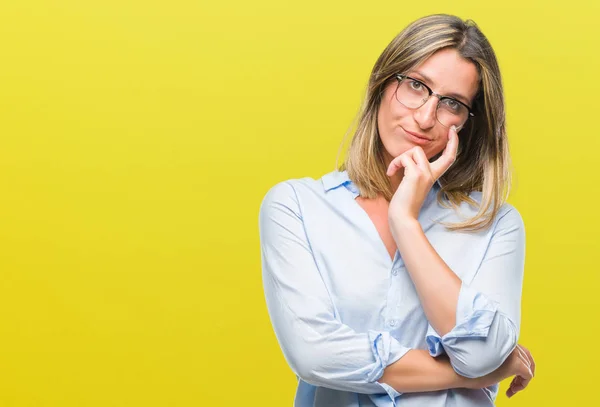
column 137, row 139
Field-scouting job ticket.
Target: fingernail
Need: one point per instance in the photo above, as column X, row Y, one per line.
column 453, row 127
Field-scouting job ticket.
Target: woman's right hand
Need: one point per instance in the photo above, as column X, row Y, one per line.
column 519, row 364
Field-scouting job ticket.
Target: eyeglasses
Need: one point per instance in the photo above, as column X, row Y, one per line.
column 413, row 94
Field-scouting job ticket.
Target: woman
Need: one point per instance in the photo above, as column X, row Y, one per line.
column 396, row 279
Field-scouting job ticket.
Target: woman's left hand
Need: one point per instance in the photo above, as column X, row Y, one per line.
column 419, row 177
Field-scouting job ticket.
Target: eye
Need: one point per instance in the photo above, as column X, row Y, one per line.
column 415, row 85
column 451, row 103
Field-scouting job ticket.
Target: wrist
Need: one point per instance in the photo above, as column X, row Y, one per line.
column 484, row 381
column 471, row 383
column 403, row 224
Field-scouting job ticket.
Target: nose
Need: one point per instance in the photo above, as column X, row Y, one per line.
column 425, row 115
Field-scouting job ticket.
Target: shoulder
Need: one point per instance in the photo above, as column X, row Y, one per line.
column 290, row 192
column 306, row 186
column 506, row 219
column 506, row 216
column 509, row 219
column 291, row 187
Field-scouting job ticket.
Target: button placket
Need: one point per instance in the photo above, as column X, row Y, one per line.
column 392, row 308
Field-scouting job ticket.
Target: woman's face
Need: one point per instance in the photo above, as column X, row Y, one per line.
column 447, row 74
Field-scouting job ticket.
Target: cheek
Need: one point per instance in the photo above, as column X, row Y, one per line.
column 442, row 143
column 436, row 148
column 386, row 114
column 390, row 111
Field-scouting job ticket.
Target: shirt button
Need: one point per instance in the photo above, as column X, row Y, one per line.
column 394, row 272
column 392, row 322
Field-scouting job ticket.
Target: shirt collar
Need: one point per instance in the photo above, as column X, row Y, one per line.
column 336, row 178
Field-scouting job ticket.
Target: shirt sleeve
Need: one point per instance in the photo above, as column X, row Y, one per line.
column 318, row 347
column 489, row 308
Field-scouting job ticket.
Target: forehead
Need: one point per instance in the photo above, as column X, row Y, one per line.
column 446, row 72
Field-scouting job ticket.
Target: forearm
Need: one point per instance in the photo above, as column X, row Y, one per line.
column 417, row 371
column 437, row 286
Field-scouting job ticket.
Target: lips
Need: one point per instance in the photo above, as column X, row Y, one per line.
column 417, row 138
column 417, row 135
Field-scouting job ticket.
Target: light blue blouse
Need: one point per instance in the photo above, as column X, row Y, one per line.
column 342, row 310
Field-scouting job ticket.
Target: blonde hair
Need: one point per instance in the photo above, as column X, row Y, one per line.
column 483, row 160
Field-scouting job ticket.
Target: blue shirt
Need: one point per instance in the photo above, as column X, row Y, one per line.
column 342, row 310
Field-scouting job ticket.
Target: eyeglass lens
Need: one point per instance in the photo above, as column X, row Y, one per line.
column 413, row 94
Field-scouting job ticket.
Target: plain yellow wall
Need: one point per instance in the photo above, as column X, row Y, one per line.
column 137, row 139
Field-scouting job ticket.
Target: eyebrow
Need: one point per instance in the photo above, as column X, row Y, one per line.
column 454, row 95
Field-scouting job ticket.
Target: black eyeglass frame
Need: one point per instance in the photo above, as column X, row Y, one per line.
column 401, row 77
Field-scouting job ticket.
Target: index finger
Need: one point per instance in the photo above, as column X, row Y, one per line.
column 441, row 165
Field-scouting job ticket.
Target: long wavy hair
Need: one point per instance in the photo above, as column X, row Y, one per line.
column 483, row 160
